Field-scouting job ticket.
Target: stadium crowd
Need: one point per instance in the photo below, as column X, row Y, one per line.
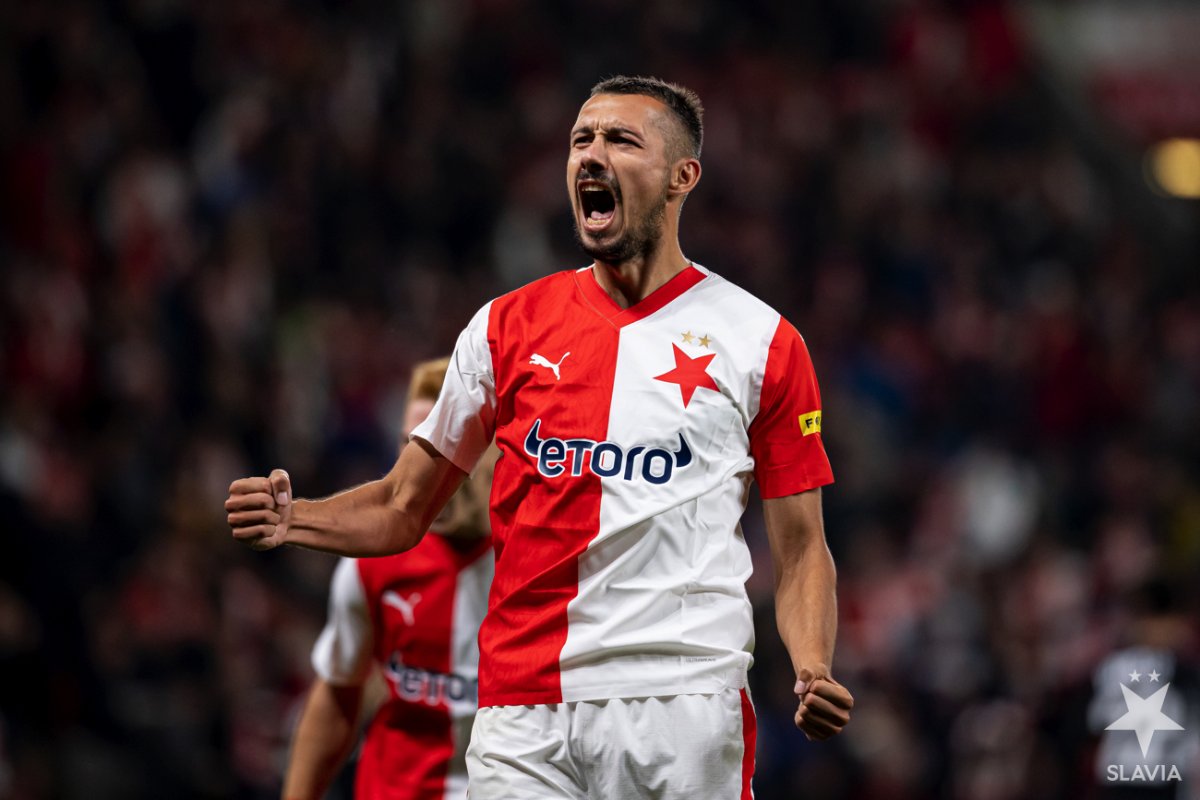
column 229, row 229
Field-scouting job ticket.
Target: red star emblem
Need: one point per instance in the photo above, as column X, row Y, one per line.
column 689, row 373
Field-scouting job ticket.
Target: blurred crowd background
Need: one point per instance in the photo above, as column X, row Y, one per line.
column 228, row 229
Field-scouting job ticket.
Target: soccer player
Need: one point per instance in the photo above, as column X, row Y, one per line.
column 417, row 617
column 633, row 401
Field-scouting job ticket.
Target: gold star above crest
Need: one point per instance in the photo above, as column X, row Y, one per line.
column 704, row 340
column 688, row 337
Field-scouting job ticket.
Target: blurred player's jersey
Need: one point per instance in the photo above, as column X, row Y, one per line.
column 629, row 438
column 416, row 614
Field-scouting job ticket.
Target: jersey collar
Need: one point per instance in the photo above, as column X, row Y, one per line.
column 606, row 307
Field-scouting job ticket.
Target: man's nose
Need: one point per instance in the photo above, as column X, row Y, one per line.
column 595, row 157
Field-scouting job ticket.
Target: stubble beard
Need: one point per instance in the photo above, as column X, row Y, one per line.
column 637, row 242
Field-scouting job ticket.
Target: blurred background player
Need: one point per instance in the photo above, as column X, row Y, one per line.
column 417, row 618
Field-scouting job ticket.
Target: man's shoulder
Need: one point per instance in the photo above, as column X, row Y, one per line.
column 530, row 301
column 543, row 288
column 728, row 299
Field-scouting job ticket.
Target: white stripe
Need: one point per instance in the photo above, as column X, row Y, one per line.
column 462, row 421
column 342, row 653
column 662, row 607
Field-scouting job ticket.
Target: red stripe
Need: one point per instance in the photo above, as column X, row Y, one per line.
column 540, row 524
column 749, row 738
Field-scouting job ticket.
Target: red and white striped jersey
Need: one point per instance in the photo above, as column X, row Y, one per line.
column 628, row 440
column 417, row 615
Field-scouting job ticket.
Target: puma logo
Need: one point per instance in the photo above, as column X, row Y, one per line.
column 539, row 360
column 405, row 607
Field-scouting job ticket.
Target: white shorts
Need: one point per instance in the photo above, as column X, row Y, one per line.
column 683, row 747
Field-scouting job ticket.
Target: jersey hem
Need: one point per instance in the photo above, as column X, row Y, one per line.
column 725, row 678
column 341, row 682
column 554, row 698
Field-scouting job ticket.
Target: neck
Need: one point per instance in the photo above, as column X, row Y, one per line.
column 629, row 282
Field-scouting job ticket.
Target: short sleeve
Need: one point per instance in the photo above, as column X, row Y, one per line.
column 463, row 420
column 342, row 654
column 785, row 436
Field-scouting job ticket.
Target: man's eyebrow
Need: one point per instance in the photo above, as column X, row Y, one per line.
column 612, row 130
column 622, row 131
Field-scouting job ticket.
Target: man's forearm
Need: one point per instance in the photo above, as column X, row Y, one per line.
column 386, row 516
column 806, row 610
column 805, row 578
column 324, row 737
column 806, row 606
column 360, row 522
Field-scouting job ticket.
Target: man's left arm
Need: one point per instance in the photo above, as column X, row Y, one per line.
column 806, row 609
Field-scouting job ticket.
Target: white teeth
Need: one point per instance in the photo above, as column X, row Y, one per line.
column 593, row 189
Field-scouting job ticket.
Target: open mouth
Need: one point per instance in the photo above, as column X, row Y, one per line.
column 598, row 203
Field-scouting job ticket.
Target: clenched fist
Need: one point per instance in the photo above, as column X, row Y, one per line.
column 824, row 703
column 258, row 510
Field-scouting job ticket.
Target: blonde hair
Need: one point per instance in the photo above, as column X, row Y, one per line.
column 427, row 379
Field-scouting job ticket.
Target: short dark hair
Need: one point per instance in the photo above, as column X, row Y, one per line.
column 683, row 103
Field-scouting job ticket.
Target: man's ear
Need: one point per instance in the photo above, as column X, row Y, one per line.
column 685, row 174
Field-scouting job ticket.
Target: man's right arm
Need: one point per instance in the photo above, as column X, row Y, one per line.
column 324, row 736
column 385, row 516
